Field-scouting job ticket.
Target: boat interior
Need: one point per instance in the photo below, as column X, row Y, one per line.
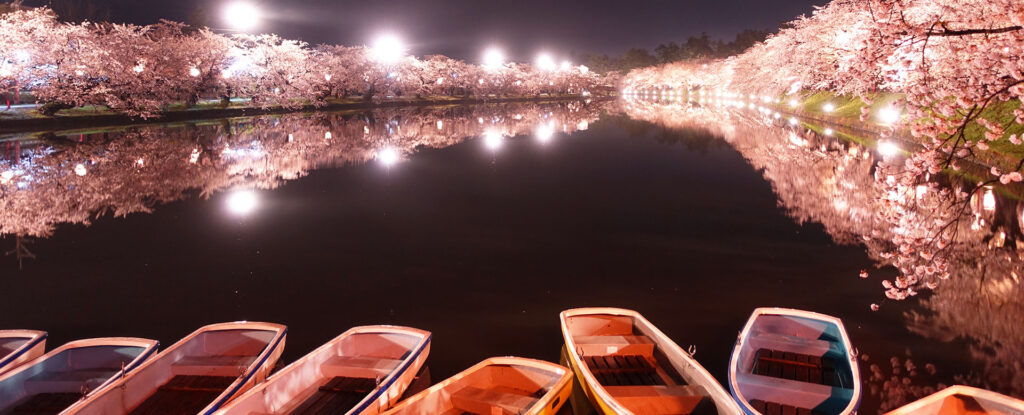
column 795, row 365
column 9, row 345
column 958, row 404
column 493, row 389
column 344, row 377
column 60, row 380
column 193, row 375
column 634, row 370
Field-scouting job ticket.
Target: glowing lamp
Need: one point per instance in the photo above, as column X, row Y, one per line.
column 888, row 148
column 242, row 16
column 387, row 49
column 493, row 58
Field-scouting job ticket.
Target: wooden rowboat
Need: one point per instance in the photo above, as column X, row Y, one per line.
column 625, row 365
column 794, row 361
column 20, row 346
column 53, row 382
column 963, row 400
column 363, row 371
column 198, row 374
column 496, row 386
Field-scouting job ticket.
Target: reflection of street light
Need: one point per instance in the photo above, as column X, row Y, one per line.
column 387, row 49
column 493, row 58
column 566, row 65
column 492, row 140
column 242, row 202
column 545, row 62
column 242, row 16
column 545, row 132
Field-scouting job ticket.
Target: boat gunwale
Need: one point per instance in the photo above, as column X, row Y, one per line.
column 34, row 337
column 660, row 338
column 977, row 393
column 564, row 377
column 425, row 338
column 851, row 407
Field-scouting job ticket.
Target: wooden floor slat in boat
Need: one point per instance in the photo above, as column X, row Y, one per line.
column 184, row 395
column 773, row 408
column 795, row 366
column 46, row 403
column 337, row 396
column 623, row 370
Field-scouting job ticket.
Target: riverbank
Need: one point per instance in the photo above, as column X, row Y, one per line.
column 24, row 119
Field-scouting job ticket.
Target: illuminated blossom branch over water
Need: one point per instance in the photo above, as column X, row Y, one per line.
column 953, row 63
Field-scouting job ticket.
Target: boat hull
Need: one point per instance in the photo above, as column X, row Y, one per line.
column 491, row 387
column 390, row 356
column 662, row 377
column 794, row 359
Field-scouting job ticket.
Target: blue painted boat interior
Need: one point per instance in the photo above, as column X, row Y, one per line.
column 67, row 372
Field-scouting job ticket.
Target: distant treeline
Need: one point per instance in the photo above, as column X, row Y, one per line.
column 695, row 47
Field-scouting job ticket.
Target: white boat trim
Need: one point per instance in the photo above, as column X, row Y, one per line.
column 850, row 408
column 723, row 397
column 16, row 358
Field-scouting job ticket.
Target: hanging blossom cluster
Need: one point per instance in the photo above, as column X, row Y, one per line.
column 140, row 70
column 951, row 60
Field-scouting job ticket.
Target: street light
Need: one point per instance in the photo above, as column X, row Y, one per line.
column 387, row 49
column 566, row 65
column 493, row 58
column 545, row 62
column 242, row 16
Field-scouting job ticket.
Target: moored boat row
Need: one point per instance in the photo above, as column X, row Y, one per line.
column 785, row 362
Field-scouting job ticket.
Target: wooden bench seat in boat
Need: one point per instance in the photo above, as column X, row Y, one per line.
column 782, row 342
column 218, row 365
column 46, row 403
column 663, row 399
column 623, row 370
column 359, row 366
column 788, row 392
column 497, row 400
column 774, row 408
column 609, row 345
column 795, row 366
column 184, row 394
column 337, row 396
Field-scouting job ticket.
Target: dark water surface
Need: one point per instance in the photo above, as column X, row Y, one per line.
column 481, row 244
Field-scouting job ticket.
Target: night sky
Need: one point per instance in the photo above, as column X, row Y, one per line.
column 462, row 28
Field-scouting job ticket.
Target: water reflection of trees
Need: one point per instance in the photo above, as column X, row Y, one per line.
column 76, row 178
column 974, row 283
